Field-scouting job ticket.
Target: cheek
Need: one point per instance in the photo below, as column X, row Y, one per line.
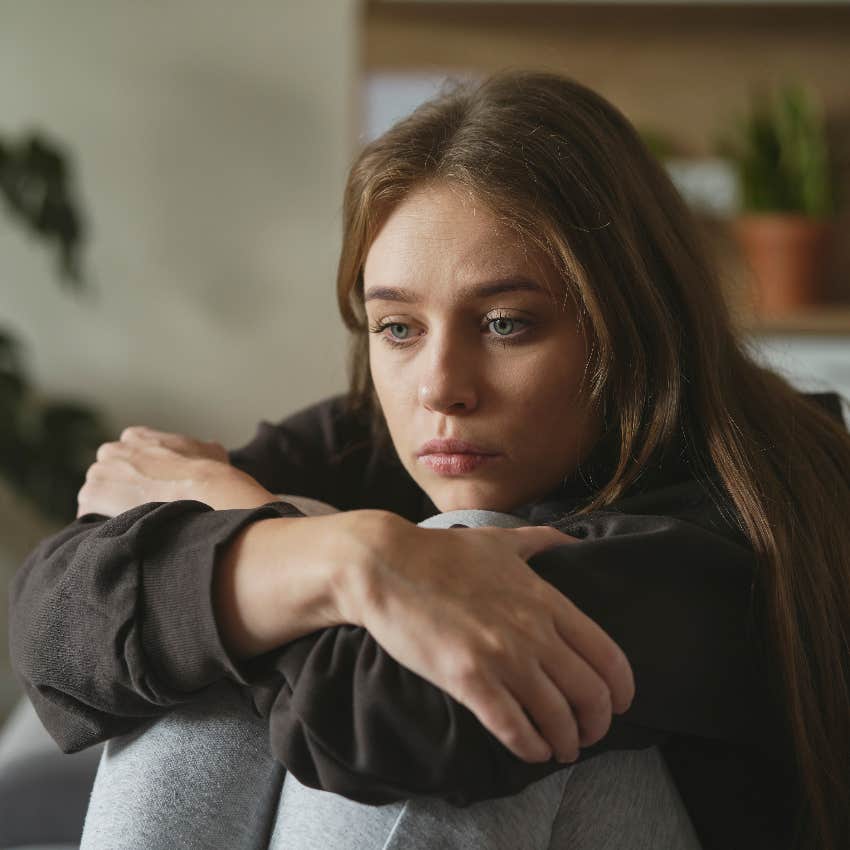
column 377, row 366
column 389, row 383
column 548, row 378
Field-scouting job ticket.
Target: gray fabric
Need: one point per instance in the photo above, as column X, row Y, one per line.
column 200, row 776
column 203, row 777
column 474, row 518
column 622, row 800
column 317, row 820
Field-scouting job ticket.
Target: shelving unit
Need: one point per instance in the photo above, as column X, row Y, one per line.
column 683, row 71
column 829, row 321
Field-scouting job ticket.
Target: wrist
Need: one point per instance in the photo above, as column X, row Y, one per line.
column 223, row 487
column 359, row 554
column 274, row 583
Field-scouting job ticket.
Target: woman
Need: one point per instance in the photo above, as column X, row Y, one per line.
column 597, row 368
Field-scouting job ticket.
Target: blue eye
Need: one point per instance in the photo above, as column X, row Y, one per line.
column 503, row 339
column 396, row 325
column 501, row 319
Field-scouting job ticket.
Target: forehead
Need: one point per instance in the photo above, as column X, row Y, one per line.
column 441, row 237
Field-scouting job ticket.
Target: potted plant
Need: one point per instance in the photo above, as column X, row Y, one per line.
column 46, row 444
column 780, row 155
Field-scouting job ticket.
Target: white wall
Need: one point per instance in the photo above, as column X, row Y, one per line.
column 212, row 142
column 212, row 148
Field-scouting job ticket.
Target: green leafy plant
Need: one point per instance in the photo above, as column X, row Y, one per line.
column 46, row 445
column 781, row 155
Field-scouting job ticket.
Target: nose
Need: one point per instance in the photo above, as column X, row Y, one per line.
column 448, row 382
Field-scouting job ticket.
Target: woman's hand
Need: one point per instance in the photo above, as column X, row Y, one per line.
column 157, row 466
column 462, row 608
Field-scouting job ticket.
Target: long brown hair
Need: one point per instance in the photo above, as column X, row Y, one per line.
column 567, row 171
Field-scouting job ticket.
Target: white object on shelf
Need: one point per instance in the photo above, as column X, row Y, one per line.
column 812, row 364
column 707, row 184
column 389, row 97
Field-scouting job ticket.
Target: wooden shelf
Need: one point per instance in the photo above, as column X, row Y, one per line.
column 831, row 320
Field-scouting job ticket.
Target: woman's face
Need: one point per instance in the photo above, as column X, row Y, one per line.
column 483, row 354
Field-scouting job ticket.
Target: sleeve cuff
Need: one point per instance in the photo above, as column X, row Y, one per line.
column 181, row 636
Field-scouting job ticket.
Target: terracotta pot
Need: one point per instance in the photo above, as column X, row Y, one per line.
column 786, row 254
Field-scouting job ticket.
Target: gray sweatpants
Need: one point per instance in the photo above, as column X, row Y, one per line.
column 202, row 778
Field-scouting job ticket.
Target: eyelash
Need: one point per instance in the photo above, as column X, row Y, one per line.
column 379, row 327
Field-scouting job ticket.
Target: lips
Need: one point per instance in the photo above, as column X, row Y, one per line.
column 453, row 447
column 456, row 464
column 455, row 457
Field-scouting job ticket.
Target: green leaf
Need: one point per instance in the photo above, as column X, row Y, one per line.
column 780, row 153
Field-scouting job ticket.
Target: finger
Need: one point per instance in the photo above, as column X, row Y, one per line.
column 107, row 451
column 583, row 688
column 106, row 473
column 138, row 435
column 96, row 500
column 579, row 631
column 595, row 646
column 500, row 712
column 551, row 712
column 528, row 540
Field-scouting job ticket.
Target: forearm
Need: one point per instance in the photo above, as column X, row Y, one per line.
column 111, row 620
column 282, row 578
column 356, row 722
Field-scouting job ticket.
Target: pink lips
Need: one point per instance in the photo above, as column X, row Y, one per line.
column 450, row 447
column 454, row 457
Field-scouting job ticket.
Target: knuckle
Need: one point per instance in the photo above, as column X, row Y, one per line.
column 464, row 668
column 471, row 670
column 511, row 735
column 494, row 643
column 595, row 719
column 568, row 746
column 104, row 450
column 492, row 716
column 613, row 664
column 132, row 431
column 598, row 700
column 613, row 660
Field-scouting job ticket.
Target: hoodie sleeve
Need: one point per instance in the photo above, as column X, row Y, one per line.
column 346, row 717
column 111, row 619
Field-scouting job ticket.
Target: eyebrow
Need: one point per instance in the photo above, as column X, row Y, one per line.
column 481, row 290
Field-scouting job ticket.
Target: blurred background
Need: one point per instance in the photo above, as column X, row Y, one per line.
column 171, row 178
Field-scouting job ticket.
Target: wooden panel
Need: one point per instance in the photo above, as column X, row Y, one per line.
column 683, row 72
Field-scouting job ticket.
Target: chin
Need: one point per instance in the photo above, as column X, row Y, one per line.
column 466, row 498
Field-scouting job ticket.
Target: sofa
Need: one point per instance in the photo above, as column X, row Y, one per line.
column 44, row 793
